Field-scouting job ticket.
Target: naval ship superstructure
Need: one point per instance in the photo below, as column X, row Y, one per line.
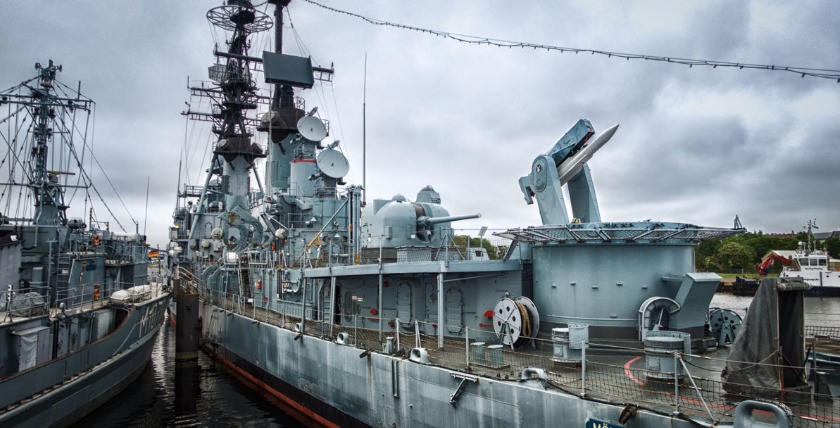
column 382, row 313
column 78, row 315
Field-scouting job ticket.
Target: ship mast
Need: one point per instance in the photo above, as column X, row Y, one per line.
column 233, row 94
column 49, row 197
column 44, row 107
column 281, row 121
column 283, row 94
column 238, row 90
column 809, row 246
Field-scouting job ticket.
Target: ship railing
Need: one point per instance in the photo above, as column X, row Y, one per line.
column 461, row 245
column 612, row 372
column 24, row 302
column 125, row 251
column 92, row 295
column 616, row 232
column 75, row 297
column 189, row 281
column 458, row 249
column 480, row 244
column 695, row 389
column 822, row 331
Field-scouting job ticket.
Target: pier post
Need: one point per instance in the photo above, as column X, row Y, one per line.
column 186, row 323
column 440, row 313
column 332, row 304
column 379, row 304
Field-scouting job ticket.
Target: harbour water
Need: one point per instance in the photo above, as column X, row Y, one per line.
column 205, row 395
column 819, row 311
column 210, row 395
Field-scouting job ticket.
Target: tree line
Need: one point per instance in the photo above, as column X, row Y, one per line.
column 742, row 253
column 734, row 254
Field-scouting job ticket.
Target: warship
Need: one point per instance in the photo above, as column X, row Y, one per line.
column 78, row 315
column 357, row 312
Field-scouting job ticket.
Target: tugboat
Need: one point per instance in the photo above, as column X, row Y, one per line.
column 78, row 316
column 813, row 265
column 358, row 312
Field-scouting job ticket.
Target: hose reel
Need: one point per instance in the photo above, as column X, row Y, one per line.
column 516, row 321
column 724, row 324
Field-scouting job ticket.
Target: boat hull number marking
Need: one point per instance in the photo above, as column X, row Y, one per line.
column 597, row 423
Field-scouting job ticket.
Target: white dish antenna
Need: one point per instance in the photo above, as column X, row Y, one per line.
column 312, row 128
column 333, row 164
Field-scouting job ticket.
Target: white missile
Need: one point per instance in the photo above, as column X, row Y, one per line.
column 571, row 166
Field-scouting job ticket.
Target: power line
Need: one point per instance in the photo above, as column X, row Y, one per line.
column 479, row 40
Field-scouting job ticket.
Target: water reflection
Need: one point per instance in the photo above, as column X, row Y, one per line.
column 201, row 394
column 819, row 311
column 187, row 389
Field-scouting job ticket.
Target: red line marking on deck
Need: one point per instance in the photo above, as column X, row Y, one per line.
column 629, row 372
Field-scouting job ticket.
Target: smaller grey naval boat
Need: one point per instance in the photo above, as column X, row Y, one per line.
column 78, row 316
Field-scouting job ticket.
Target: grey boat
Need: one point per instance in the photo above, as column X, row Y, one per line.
column 78, row 315
column 357, row 312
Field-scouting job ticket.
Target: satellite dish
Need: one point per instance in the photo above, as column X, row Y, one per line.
column 311, row 128
column 333, row 164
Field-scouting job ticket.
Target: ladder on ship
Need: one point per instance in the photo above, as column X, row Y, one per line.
column 245, row 274
column 64, row 266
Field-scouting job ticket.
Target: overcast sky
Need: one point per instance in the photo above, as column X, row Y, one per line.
column 696, row 145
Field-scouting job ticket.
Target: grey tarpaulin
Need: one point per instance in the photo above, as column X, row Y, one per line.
column 769, row 351
column 28, row 351
column 28, row 304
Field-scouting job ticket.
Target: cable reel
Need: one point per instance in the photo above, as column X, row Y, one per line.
column 724, row 325
column 516, row 321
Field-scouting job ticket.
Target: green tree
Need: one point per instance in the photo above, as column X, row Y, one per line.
column 492, row 251
column 732, row 256
column 704, row 255
column 762, row 244
column 832, row 245
column 759, row 243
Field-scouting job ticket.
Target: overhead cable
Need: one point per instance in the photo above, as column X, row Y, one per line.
column 479, row 40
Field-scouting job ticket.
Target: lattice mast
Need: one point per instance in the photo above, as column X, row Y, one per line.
column 234, row 98
column 47, row 109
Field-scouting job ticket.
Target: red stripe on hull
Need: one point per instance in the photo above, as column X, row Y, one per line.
column 299, row 412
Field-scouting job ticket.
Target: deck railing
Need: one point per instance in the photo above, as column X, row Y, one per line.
column 605, row 372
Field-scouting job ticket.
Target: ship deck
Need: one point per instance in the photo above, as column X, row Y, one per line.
column 608, row 372
column 40, row 310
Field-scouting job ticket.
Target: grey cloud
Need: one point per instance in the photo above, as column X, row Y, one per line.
column 470, row 119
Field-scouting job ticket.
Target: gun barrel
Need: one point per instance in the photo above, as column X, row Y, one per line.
column 423, row 220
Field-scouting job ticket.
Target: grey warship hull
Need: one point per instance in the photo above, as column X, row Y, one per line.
column 335, row 375
column 64, row 390
column 330, row 385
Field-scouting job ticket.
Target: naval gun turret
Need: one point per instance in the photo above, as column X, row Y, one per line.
column 399, row 222
column 565, row 163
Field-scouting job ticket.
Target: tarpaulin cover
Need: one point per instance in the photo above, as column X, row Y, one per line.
column 770, row 337
column 28, row 351
column 28, row 304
